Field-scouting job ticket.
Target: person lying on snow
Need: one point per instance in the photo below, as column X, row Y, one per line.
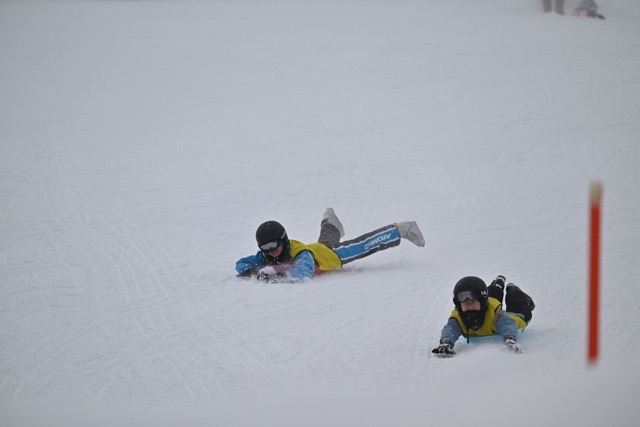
column 478, row 312
column 282, row 260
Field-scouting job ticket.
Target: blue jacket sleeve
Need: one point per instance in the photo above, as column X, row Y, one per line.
column 303, row 266
column 451, row 331
column 505, row 325
column 249, row 262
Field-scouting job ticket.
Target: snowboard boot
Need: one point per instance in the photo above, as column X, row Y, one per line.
column 496, row 288
column 409, row 230
column 519, row 302
column 331, row 230
column 329, row 217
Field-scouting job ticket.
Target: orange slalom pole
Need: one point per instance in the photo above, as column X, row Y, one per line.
column 594, row 274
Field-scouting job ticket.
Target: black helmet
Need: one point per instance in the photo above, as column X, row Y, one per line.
column 471, row 287
column 269, row 236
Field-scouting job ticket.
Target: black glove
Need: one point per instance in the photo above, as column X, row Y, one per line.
column 249, row 272
column 512, row 345
column 444, row 349
column 269, row 275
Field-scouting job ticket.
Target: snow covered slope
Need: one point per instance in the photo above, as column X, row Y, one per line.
column 141, row 143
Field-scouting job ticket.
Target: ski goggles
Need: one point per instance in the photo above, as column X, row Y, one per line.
column 465, row 296
column 269, row 246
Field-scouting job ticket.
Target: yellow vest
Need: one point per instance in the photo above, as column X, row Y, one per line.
column 488, row 327
column 325, row 258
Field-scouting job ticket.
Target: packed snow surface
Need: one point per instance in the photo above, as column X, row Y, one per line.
column 141, row 144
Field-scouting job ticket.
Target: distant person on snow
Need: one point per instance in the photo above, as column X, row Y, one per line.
column 588, row 8
column 281, row 259
column 559, row 6
column 478, row 312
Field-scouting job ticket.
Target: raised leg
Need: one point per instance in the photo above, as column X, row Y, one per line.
column 331, row 229
column 519, row 302
column 367, row 244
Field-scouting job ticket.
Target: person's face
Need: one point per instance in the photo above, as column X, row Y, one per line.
column 470, row 305
column 272, row 249
column 275, row 253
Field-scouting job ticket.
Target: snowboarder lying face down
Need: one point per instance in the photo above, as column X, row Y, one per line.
column 478, row 312
column 281, row 259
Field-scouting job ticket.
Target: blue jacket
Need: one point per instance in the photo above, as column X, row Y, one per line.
column 302, row 266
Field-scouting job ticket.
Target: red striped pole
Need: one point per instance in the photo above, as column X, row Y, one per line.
column 594, row 274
